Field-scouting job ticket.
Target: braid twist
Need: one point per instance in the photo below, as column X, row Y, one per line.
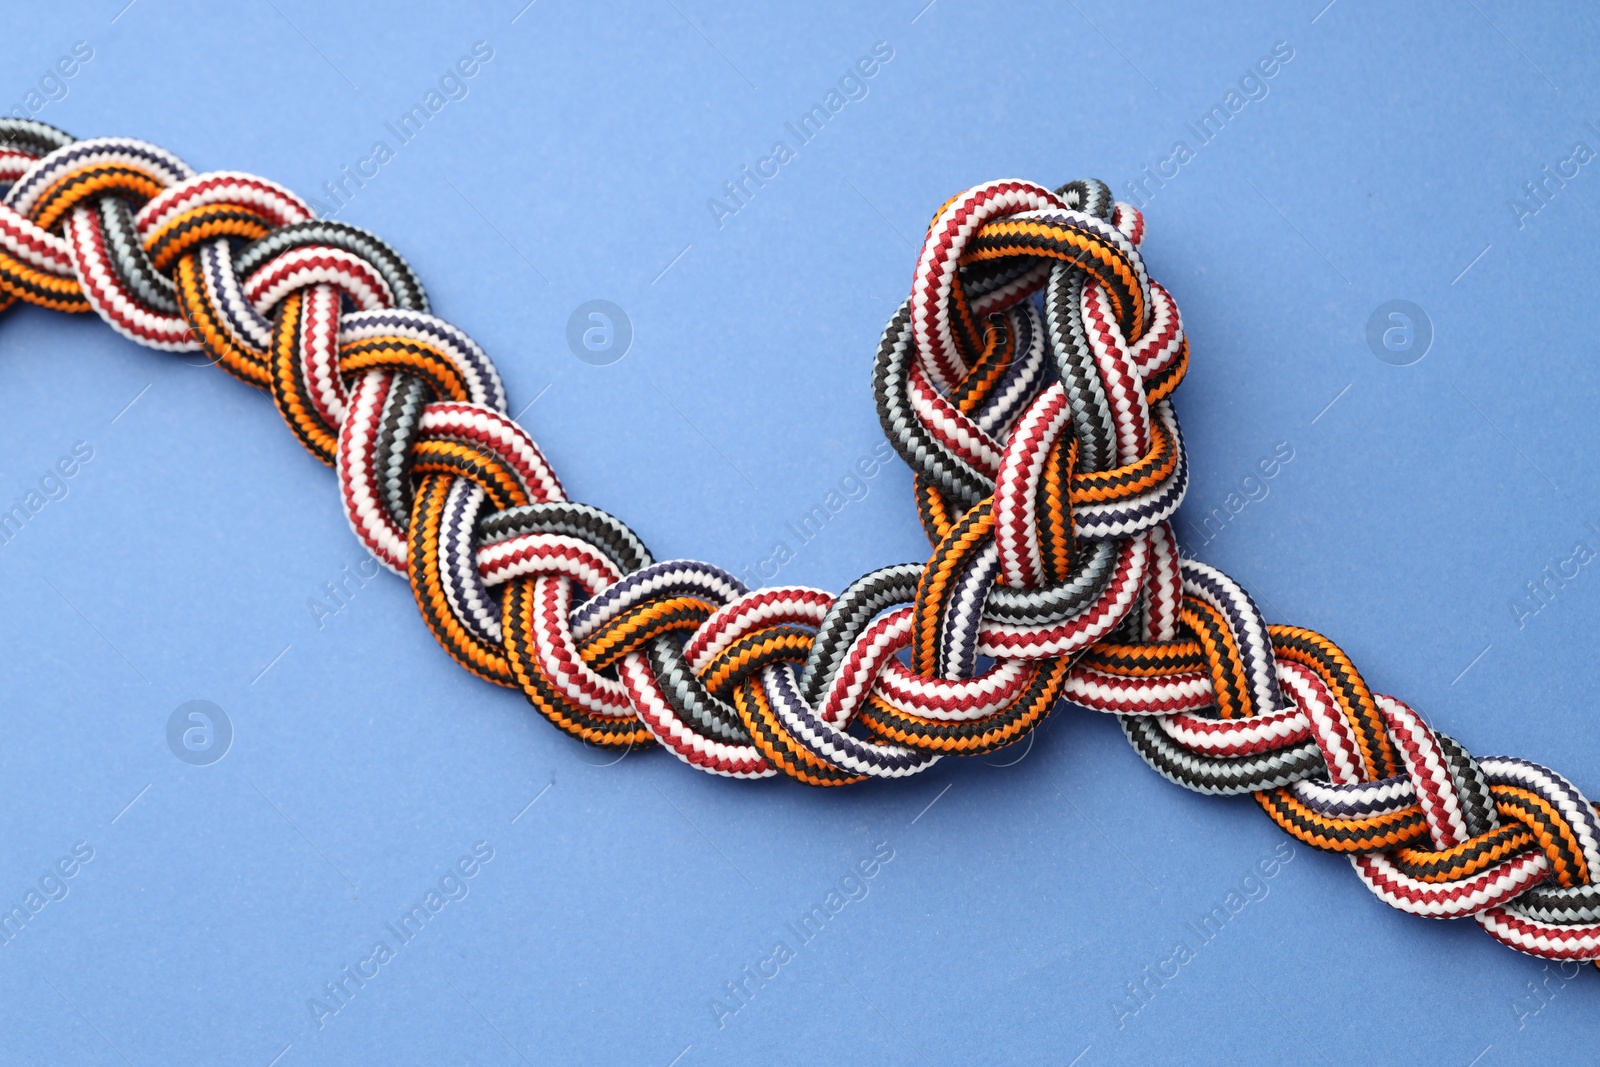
column 1026, row 381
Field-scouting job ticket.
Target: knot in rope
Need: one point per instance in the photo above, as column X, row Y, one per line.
column 1047, row 455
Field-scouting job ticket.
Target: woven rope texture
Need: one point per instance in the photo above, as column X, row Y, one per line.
column 1026, row 381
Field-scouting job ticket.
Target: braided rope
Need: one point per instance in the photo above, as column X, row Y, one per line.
column 1026, row 381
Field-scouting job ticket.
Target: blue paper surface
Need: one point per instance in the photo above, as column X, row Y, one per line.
column 630, row 912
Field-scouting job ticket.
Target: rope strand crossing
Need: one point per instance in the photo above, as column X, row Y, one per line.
column 1026, row 381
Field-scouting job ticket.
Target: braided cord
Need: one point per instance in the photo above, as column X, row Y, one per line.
column 1026, row 382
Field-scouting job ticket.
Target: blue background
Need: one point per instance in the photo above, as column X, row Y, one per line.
column 1382, row 164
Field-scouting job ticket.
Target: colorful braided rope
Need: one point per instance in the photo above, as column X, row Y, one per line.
column 1026, row 382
